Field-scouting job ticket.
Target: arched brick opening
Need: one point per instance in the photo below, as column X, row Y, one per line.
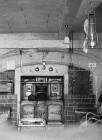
column 80, row 94
column 80, row 81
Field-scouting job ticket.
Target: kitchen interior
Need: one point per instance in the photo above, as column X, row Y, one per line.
column 50, row 61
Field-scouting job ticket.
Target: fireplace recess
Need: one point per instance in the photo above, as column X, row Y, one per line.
column 42, row 97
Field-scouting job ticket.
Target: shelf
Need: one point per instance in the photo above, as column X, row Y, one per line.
column 42, row 82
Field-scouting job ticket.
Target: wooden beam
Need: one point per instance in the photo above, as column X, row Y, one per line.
column 29, row 36
column 31, row 43
column 26, row 41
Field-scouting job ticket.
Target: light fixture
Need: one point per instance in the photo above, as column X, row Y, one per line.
column 66, row 38
column 91, row 38
column 92, row 35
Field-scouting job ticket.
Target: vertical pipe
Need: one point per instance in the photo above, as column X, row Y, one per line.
column 21, row 63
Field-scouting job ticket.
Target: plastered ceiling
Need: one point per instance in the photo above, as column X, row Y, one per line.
column 41, row 16
column 45, row 16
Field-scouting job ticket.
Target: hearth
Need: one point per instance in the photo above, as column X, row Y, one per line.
column 41, row 98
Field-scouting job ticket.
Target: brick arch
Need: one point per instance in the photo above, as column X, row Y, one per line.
column 80, row 81
column 84, row 59
column 82, row 101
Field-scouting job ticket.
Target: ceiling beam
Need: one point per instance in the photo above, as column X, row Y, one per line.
column 29, row 36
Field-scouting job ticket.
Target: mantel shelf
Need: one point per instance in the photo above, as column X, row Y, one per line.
column 42, row 82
